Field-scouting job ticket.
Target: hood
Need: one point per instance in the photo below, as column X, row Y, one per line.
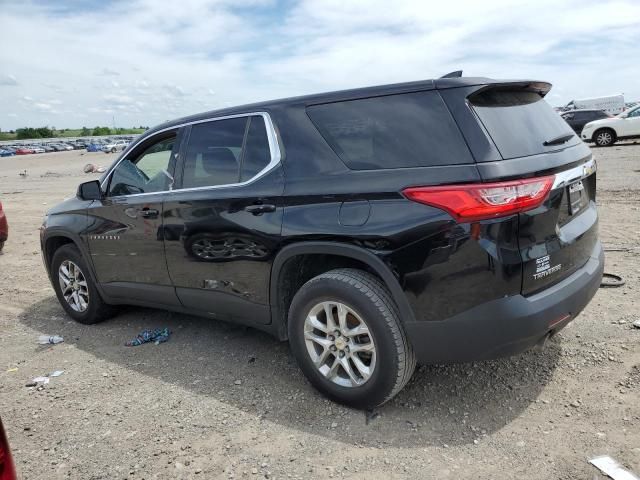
column 69, row 205
column 604, row 121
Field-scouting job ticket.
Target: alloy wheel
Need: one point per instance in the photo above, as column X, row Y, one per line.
column 604, row 138
column 73, row 285
column 340, row 344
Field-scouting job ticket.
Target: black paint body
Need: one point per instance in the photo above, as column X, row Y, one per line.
column 464, row 291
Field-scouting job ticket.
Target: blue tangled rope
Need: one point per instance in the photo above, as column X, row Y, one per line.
column 159, row 336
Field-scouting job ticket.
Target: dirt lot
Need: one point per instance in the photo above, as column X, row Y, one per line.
column 220, row 401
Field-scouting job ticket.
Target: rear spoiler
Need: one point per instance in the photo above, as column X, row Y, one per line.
column 537, row 86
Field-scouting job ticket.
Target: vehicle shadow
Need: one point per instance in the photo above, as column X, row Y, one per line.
column 451, row 405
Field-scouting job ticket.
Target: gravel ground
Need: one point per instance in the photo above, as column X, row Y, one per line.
column 221, row 401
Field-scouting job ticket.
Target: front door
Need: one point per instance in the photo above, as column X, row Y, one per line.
column 125, row 229
column 222, row 223
column 631, row 124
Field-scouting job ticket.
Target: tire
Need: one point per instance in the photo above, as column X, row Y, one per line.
column 113, row 150
column 1, row 245
column 605, row 137
column 95, row 309
column 366, row 301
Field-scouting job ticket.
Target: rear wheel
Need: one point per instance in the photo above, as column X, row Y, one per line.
column 605, row 137
column 75, row 289
column 345, row 332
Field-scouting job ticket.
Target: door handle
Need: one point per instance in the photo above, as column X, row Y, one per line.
column 260, row 209
column 149, row 213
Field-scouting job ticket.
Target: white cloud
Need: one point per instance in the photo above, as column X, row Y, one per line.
column 8, row 80
column 157, row 60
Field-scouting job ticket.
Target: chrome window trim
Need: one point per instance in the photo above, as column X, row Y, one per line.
column 274, row 150
column 566, row 177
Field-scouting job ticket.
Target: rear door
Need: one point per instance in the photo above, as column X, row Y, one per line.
column 222, row 225
column 532, row 140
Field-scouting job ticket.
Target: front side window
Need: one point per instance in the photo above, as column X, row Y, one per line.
column 634, row 113
column 144, row 173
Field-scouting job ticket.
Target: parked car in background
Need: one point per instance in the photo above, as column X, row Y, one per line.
column 400, row 226
column 7, row 467
column 4, row 231
column 95, row 147
column 23, row 151
column 114, row 146
column 577, row 119
column 5, row 152
column 37, row 149
column 48, row 148
column 608, row 131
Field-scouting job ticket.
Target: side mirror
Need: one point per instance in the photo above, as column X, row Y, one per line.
column 90, row 191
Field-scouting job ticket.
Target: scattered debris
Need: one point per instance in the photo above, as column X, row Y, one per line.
column 23, row 174
column 238, row 382
column 609, row 280
column 636, row 324
column 49, row 174
column 43, row 380
column 611, row 468
column 14, row 369
column 57, row 373
column 31, row 384
column 50, row 339
column 91, row 168
column 157, row 336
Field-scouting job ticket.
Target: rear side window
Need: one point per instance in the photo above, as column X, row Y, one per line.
column 256, row 153
column 520, row 121
column 395, row 131
column 225, row 152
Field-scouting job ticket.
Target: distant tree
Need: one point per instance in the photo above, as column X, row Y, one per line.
column 101, row 131
column 85, row 132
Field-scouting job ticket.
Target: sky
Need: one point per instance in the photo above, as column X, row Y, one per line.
column 74, row 63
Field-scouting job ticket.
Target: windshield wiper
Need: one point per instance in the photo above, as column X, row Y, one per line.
column 558, row 140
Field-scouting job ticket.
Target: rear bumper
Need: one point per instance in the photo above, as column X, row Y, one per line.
column 509, row 325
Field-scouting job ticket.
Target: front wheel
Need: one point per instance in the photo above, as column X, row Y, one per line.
column 345, row 332
column 75, row 289
column 604, row 137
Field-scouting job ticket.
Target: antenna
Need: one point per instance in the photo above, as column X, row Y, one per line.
column 456, row 74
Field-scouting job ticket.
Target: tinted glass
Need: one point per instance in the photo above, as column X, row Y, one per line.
column 146, row 173
column 520, row 121
column 396, row 131
column 256, row 154
column 634, row 113
column 213, row 153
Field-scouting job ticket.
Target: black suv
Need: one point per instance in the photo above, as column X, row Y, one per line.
column 444, row 220
column 577, row 119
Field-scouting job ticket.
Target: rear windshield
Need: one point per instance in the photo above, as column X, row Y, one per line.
column 395, row 131
column 520, row 122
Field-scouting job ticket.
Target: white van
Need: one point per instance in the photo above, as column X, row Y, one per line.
column 612, row 104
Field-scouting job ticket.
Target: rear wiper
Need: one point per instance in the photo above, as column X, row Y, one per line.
column 558, row 140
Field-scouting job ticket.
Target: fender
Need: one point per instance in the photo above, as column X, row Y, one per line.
column 82, row 247
column 338, row 249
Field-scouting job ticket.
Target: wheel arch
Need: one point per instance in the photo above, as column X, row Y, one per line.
column 606, row 127
column 54, row 239
column 280, row 294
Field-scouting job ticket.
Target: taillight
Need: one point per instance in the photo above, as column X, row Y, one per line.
column 482, row 201
column 7, row 469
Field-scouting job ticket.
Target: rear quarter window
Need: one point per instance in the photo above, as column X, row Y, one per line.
column 395, row 131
